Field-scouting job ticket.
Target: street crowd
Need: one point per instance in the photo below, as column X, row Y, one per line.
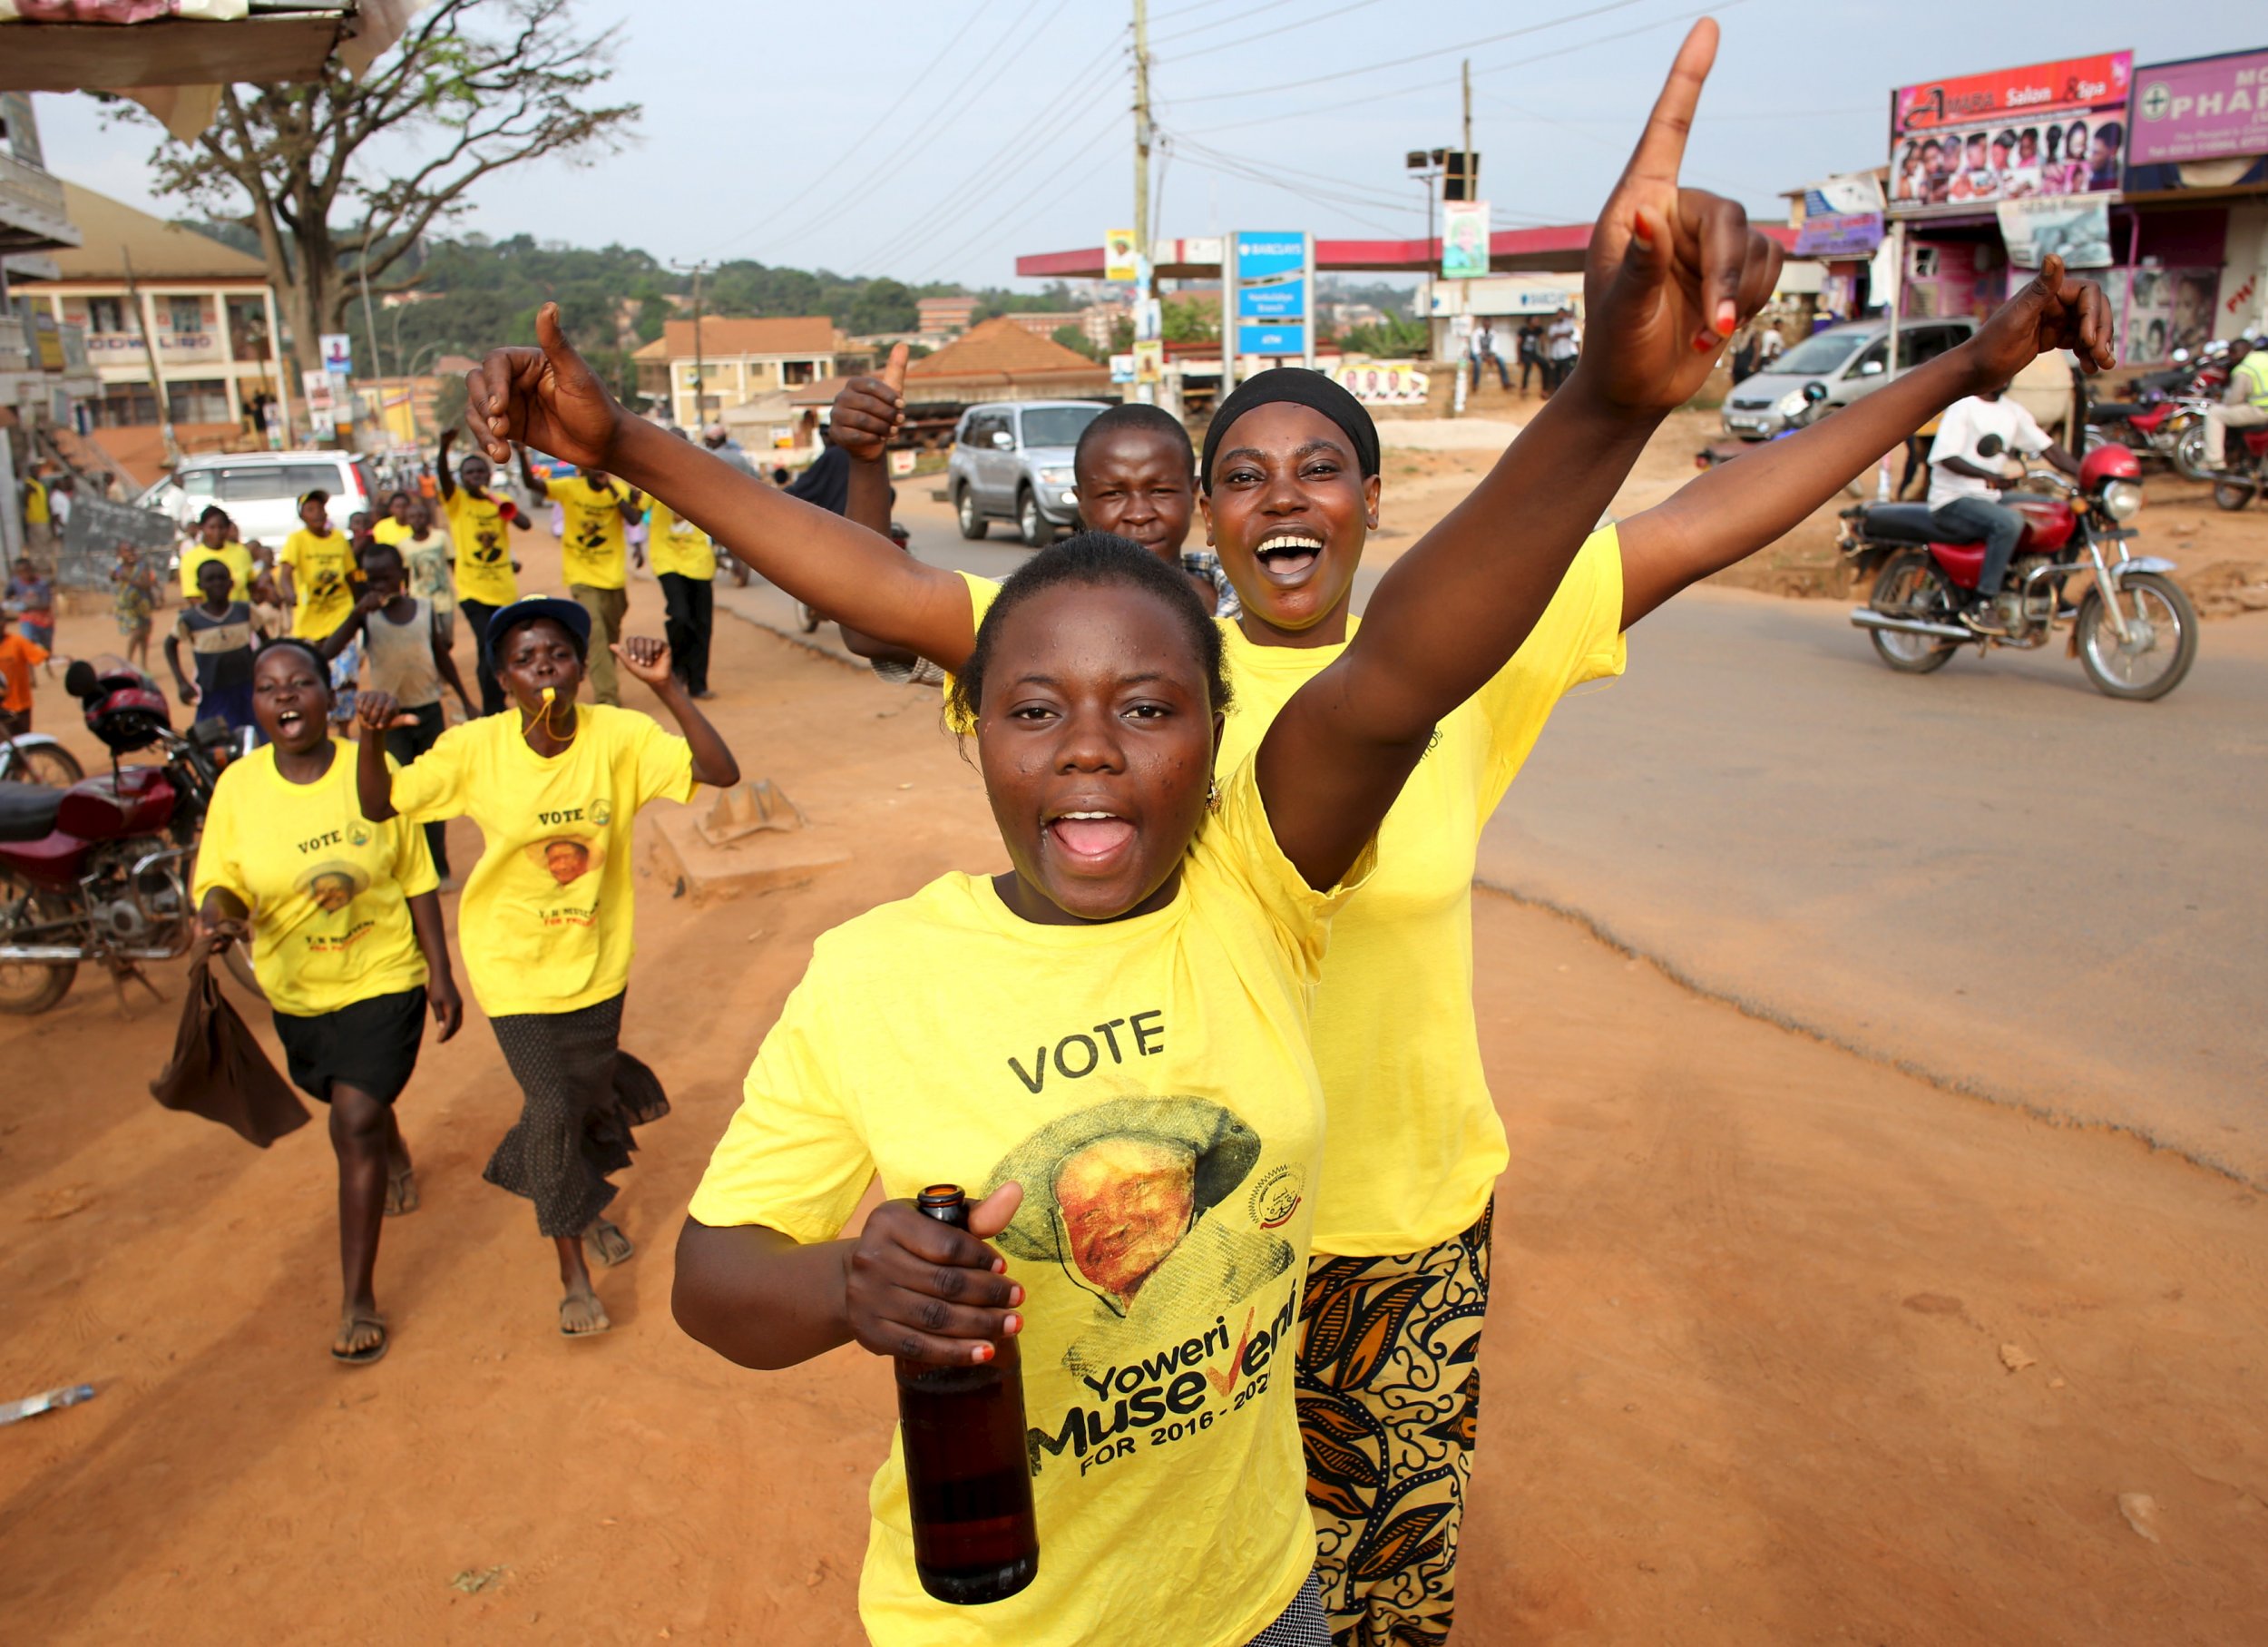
column 1204, row 1055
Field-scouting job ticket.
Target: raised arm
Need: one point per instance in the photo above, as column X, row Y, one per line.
column 1670, row 273
column 547, row 397
column 443, row 480
column 1734, row 510
column 649, row 660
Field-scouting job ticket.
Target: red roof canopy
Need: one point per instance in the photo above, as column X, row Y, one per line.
column 1556, row 248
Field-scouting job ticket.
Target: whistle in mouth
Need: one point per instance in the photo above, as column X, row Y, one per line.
column 548, row 695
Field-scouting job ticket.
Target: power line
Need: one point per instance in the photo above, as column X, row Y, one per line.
column 988, row 178
column 844, row 159
column 1245, row 15
column 1206, row 51
column 1396, row 63
column 1001, row 224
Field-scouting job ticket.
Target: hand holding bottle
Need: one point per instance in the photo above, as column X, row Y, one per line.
column 922, row 1290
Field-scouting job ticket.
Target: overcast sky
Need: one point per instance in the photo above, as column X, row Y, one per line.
column 937, row 141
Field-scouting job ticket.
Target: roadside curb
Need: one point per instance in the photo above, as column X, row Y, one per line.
column 1765, row 1013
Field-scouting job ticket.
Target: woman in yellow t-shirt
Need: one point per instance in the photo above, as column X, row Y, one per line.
column 216, row 541
column 545, row 920
column 346, row 940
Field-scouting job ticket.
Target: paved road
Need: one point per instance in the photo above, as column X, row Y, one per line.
column 1993, row 874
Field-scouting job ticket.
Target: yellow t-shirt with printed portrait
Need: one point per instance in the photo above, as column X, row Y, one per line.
column 1416, row 1145
column 545, row 919
column 322, row 581
column 1148, row 1082
column 674, row 543
column 329, row 889
column 233, row 555
column 483, row 547
column 595, row 551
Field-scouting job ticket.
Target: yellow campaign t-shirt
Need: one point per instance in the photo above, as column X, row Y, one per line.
column 674, row 543
column 322, row 587
column 484, row 551
column 1416, row 1145
column 235, row 555
column 36, row 510
column 329, row 889
column 1148, row 1082
column 425, row 563
column 546, row 919
column 595, row 552
column 389, row 531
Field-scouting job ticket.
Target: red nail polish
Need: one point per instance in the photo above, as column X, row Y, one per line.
column 1703, row 341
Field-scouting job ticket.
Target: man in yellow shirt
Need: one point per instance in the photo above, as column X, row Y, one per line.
column 594, row 556
column 685, row 564
column 393, row 527
column 315, row 568
column 478, row 522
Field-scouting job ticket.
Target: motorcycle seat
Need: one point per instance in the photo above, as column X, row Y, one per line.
column 2114, row 411
column 1900, row 523
column 27, row 810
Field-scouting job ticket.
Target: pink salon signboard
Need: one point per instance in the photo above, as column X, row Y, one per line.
column 2204, row 109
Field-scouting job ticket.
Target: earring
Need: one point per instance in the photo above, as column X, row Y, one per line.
column 1212, row 796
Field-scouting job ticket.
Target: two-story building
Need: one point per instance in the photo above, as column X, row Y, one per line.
column 168, row 313
column 737, row 361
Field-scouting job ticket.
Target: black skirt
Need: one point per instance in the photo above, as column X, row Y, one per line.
column 579, row 1095
column 369, row 1045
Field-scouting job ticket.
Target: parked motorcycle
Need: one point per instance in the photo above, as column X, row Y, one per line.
column 2245, row 452
column 35, row 757
column 100, row 872
column 2133, row 629
column 2171, row 432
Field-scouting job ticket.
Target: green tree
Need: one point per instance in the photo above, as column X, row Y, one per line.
column 1075, row 337
column 1187, row 321
column 1395, row 337
column 474, row 87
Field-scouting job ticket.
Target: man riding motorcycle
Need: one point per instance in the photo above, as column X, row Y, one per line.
column 1963, row 483
column 2243, row 404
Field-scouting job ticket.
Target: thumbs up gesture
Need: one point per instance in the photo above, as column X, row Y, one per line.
column 870, row 410
column 1671, row 271
column 547, row 397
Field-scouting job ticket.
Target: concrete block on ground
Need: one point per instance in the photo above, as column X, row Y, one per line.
column 764, row 861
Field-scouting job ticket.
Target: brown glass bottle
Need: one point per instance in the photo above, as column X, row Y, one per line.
column 968, row 1481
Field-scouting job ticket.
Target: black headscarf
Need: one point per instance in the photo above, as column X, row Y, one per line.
column 1304, row 387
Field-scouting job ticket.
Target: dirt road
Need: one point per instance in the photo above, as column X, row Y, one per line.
column 1748, row 1368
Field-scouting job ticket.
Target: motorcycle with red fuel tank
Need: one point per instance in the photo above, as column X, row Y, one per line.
column 100, row 871
column 2132, row 628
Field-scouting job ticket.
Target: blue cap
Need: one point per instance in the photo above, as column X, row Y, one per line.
column 568, row 615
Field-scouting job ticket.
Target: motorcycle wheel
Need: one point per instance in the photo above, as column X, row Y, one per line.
column 29, row 987
column 1911, row 585
column 58, row 768
column 2165, row 644
column 2232, row 494
column 2189, row 453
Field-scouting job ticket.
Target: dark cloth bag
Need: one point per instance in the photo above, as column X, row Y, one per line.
column 218, row 1070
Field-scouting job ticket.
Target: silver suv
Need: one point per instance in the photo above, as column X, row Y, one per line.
column 1011, row 460
column 1850, row 360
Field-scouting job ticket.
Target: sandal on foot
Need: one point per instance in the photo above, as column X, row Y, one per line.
column 601, row 1324
column 401, row 1189
column 608, row 1241
column 370, row 1355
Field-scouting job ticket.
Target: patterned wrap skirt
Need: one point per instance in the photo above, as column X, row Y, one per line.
column 579, row 1096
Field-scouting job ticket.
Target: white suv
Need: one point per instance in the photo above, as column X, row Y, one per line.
column 1011, row 460
column 261, row 490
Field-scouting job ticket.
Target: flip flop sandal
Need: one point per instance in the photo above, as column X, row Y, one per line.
column 605, row 1326
column 401, row 1192
column 370, row 1355
column 608, row 1241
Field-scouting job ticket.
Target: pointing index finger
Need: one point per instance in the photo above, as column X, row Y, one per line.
column 1662, row 145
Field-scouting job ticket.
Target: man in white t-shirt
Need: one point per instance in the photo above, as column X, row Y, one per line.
column 1964, row 481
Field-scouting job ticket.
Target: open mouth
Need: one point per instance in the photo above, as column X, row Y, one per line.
column 1288, row 556
column 287, row 720
column 1090, row 839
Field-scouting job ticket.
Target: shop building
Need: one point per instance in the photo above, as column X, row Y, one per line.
column 695, row 374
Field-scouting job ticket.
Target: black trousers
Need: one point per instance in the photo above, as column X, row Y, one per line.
column 691, row 603
column 476, row 616
column 405, row 743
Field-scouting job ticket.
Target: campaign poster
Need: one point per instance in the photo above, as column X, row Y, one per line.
column 1964, row 146
column 1120, row 256
column 1464, row 240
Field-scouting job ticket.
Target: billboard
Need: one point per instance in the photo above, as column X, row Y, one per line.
column 1964, row 146
column 1464, row 240
column 1272, row 278
column 2076, row 228
column 1842, row 218
column 2207, row 108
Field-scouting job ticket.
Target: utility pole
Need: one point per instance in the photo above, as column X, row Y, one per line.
column 700, row 363
column 146, row 318
column 1468, row 77
column 1144, row 393
column 370, row 334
